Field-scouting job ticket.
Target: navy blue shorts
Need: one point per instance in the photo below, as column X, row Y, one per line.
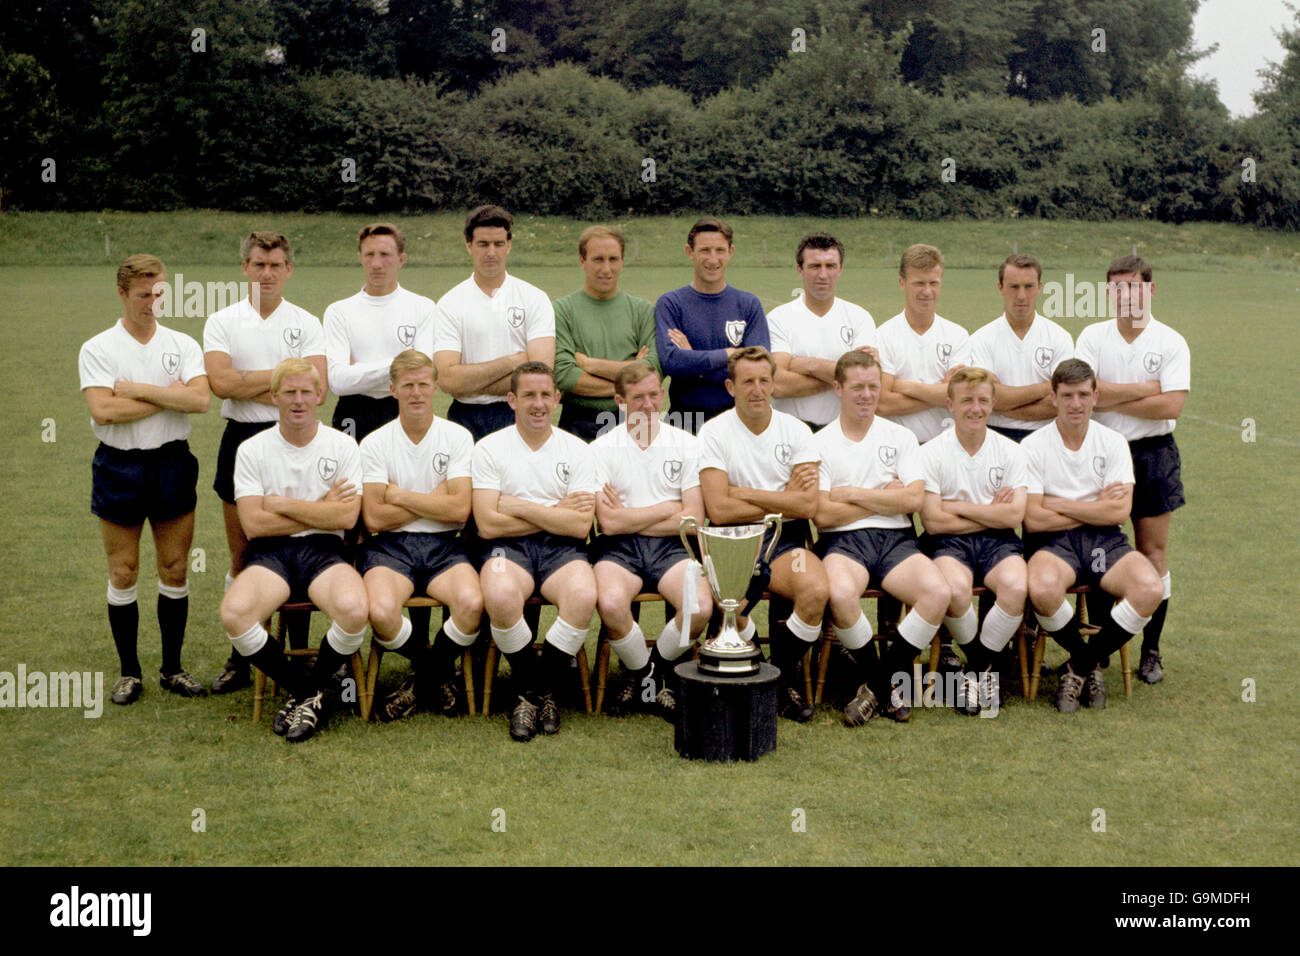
column 236, row 434
column 1017, row 435
column 298, row 561
column 879, row 550
column 481, row 420
column 649, row 558
column 417, row 556
column 541, row 554
column 1158, row 476
column 586, row 423
column 980, row 551
column 1089, row 550
column 129, row 486
column 359, row 415
column 794, row 534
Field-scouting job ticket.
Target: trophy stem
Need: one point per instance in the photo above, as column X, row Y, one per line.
column 727, row 654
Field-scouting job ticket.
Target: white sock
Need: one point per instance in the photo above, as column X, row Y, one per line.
column 999, row 628
column 343, row 642
column 1126, row 617
column 251, row 641
column 856, row 635
column 175, row 593
column 631, row 649
column 513, row 638
column 963, row 628
column 916, row 630
column 566, row 636
column 1165, row 581
column 403, row 633
column 748, row 631
column 672, row 644
column 120, row 597
column 230, row 579
column 1057, row 619
column 804, row 631
column 459, row 637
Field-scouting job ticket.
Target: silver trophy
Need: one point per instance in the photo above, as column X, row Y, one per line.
column 729, row 554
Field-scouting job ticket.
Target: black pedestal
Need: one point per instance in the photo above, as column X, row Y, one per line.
column 721, row 719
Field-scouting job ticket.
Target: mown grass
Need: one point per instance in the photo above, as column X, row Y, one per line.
column 1187, row 773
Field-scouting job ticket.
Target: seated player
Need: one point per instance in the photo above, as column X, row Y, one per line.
column 870, row 483
column 534, row 497
column 296, row 491
column 416, row 498
column 1080, row 494
column 755, row 461
column 975, row 481
column 649, row 477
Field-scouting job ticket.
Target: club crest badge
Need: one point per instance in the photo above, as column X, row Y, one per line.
column 944, row 353
column 562, row 471
column 672, row 470
column 406, row 335
column 846, row 334
column 293, row 338
column 515, row 316
column 327, row 468
column 736, row 331
column 1044, row 356
column 783, row 453
column 888, row 455
column 1099, row 465
column 171, row 361
column 995, row 476
column 440, row 464
column 1152, row 362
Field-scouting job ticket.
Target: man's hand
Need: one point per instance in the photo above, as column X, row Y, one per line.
column 609, row 497
column 679, row 339
column 1113, row 492
column 124, row 389
column 580, row 360
column 641, row 353
column 951, row 372
column 582, row 501
column 870, row 350
column 1004, row 495
column 343, row 490
column 803, row 478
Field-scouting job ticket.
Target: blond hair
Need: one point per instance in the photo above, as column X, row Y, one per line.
column 141, row 266
column 409, row 361
column 293, row 366
column 920, row 257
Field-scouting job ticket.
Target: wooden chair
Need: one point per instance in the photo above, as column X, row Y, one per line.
column 259, row 677
column 1080, row 616
column 493, row 661
column 376, row 656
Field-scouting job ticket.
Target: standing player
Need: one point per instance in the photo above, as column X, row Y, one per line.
column 812, row 332
column 1080, row 493
column 296, row 490
column 649, row 477
column 363, row 333
column 975, row 488
column 1022, row 349
column 869, row 484
column 699, row 327
column 599, row 331
column 242, row 343
column 416, row 474
column 488, row 326
column 534, row 497
column 140, row 381
column 1143, row 377
column 753, row 462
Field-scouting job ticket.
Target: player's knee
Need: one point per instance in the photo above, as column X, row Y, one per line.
column 469, row 601
column 236, row 616
column 841, row 590
column 351, row 610
column 385, row 612
column 935, row 596
column 124, row 574
column 172, row 571
column 1146, row 594
column 706, row 604
column 1012, row 593
column 580, row 599
column 503, row 602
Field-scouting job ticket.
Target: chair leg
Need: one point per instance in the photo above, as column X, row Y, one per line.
column 602, row 666
column 934, row 649
column 1036, row 672
column 1128, row 675
column 823, row 661
column 467, row 667
column 259, row 692
column 1022, row 651
column 372, row 677
column 359, row 678
column 917, row 693
column 584, row 675
column 489, row 672
column 807, row 668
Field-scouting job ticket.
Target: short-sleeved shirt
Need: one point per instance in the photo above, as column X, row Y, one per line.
column 668, row 466
column 955, row 475
column 924, row 358
column 797, row 330
column 267, row 464
column 365, row 332
column 389, row 455
column 254, row 343
column 763, row 462
column 886, row 453
column 1018, row 362
column 1158, row 354
column 167, row 358
column 483, row 328
column 503, row 462
column 1055, row 470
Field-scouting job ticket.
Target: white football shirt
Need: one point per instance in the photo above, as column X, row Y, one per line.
column 168, row 357
column 922, row 358
column 389, row 455
column 1158, row 354
column 763, row 462
column 267, row 464
column 365, row 332
column 1101, row 460
column 954, row 475
column 255, row 343
column 668, row 466
column 503, row 462
column 797, row 330
column 483, row 328
column 1018, row 362
column 887, row 452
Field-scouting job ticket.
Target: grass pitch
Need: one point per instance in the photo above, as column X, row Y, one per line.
column 1187, row 773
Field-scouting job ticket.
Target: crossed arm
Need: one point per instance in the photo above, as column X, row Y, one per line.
column 902, row 396
column 1050, row 513
column 388, row 506
column 505, row 516
column 845, row 504
column 265, row 516
column 250, row 384
column 132, row 401
column 941, row 516
column 660, row 520
column 735, row 504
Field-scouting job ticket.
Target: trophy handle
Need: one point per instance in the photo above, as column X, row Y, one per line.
column 688, row 523
column 770, row 521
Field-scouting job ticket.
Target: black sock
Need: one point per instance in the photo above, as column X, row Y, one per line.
column 124, row 622
column 172, row 614
column 1109, row 639
column 523, row 667
column 328, row 660
column 555, row 668
column 788, row 652
column 1068, row 637
column 978, row 657
column 297, row 628
column 897, row 660
column 888, row 611
column 420, row 618
column 270, row 660
column 444, row 654
column 1151, row 633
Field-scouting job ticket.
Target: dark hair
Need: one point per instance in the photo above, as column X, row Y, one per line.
column 709, row 224
column 1071, row 372
column 382, row 229
column 268, row 241
column 488, row 217
column 854, row 359
column 1021, row 261
column 752, row 353
column 818, row 240
column 1129, row 264
column 530, row 368
column 630, row 374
